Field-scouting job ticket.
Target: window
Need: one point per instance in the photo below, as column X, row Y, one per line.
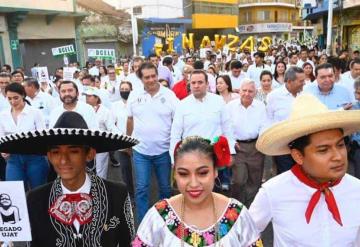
column 263, row 15
column 283, row 16
column 214, row 8
column 137, row 10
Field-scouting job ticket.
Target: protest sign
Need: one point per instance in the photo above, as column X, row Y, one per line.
column 14, row 217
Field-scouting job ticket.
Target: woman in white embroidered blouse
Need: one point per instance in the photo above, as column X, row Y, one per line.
column 32, row 169
column 197, row 216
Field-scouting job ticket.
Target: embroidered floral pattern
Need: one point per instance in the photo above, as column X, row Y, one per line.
column 192, row 237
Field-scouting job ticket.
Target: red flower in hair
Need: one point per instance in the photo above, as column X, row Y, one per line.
column 222, row 152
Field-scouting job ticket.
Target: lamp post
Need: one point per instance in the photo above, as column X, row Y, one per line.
column 329, row 28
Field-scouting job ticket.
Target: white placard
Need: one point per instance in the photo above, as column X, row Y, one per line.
column 68, row 73
column 102, row 53
column 226, row 50
column 14, row 216
column 62, row 50
column 42, row 74
column 203, row 53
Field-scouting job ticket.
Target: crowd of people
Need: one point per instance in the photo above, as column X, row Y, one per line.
column 182, row 109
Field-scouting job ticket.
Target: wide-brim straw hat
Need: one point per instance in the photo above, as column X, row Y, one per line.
column 70, row 129
column 308, row 116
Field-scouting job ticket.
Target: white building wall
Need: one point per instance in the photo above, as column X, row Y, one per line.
column 152, row 8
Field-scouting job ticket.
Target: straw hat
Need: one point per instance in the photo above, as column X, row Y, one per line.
column 308, row 116
column 70, row 129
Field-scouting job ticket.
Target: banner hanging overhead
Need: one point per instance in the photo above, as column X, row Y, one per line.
column 63, row 50
column 102, row 53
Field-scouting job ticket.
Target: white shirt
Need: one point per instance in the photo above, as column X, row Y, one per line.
column 85, row 110
column 207, row 118
column 152, row 118
column 85, row 188
column 300, row 63
column 112, row 87
column 180, row 65
column 212, row 83
column 237, row 81
column 279, row 104
column 136, row 82
column 105, row 119
column 28, row 120
column 347, row 81
column 247, row 122
column 255, row 71
column 176, row 74
column 283, row 200
column 94, row 71
column 4, row 103
column 119, row 111
column 45, row 103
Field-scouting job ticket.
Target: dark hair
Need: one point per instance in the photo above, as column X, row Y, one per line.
column 87, row 77
column 126, row 82
column 235, row 65
column 199, row 71
column 69, row 82
column 227, row 80
column 146, row 65
column 5, row 75
column 312, row 77
column 212, row 68
column 187, row 58
column 260, row 54
column 30, row 81
column 323, row 66
column 167, row 61
column 195, row 144
column 266, row 72
column 104, row 68
column 302, row 142
column 8, row 67
column 292, row 54
column 335, row 62
column 354, row 61
column 152, row 55
column 18, row 72
column 17, row 88
column 198, row 65
column 276, row 75
column 356, row 52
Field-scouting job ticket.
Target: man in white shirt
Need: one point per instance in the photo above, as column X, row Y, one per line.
column 4, row 103
column 178, row 63
column 176, row 73
column 293, row 60
column 278, row 107
column 133, row 77
column 111, row 84
column 248, row 116
column 236, row 75
column 150, row 115
column 4, row 81
column 255, row 69
column 316, row 202
column 95, row 69
column 348, row 78
column 201, row 113
column 69, row 95
column 304, row 59
column 38, row 99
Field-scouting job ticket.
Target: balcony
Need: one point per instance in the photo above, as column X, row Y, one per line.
column 261, row 3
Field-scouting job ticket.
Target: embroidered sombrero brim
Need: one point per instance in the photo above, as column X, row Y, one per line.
column 39, row 142
column 308, row 116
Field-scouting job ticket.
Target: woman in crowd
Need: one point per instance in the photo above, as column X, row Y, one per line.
column 323, row 59
column 212, row 70
column 32, row 169
column 102, row 72
column 279, row 74
column 309, row 72
column 17, row 76
column 266, row 80
column 197, row 216
column 224, row 88
column 122, row 156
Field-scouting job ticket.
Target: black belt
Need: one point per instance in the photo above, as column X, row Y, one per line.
column 247, row 141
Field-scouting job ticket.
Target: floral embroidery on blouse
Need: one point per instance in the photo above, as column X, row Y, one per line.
column 196, row 238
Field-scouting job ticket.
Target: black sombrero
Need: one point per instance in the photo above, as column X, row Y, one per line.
column 70, row 129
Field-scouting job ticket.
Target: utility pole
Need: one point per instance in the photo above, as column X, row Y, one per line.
column 133, row 28
column 329, row 28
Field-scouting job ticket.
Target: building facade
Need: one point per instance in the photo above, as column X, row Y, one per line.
column 345, row 24
column 279, row 19
column 29, row 29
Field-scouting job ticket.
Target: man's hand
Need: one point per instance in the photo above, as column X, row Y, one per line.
column 347, row 106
